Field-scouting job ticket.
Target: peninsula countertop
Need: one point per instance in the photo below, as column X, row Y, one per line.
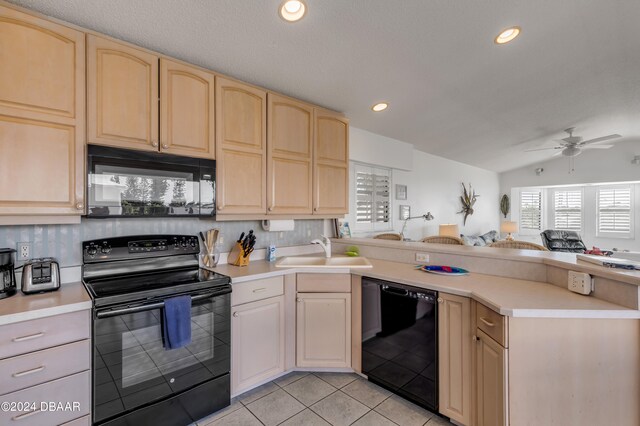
column 507, row 296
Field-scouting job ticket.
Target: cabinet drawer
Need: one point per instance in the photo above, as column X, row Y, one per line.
column 324, row 283
column 69, row 390
column 492, row 323
column 34, row 368
column 42, row 333
column 82, row 421
column 251, row 291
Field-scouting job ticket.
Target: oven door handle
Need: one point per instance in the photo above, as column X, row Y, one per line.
column 150, row 306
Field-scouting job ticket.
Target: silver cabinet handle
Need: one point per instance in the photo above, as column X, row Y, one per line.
column 29, row 337
column 298, row 300
column 475, row 338
column 154, row 144
column 25, row 415
column 488, row 323
column 440, row 300
column 235, row 314
column 315, row 209
column 26, row 373
column 260, row 290
column 270, row 209
column 165, row 146
column 80, row 206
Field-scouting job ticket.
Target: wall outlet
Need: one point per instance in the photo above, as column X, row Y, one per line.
column 580, row 283
column 422, row 257
column 24, row 251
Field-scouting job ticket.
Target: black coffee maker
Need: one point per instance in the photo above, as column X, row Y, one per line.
column 7, row 272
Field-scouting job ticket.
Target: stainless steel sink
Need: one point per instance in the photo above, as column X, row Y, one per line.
column 323, row 262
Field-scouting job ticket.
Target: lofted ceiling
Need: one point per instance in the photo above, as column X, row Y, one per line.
column 452, row 91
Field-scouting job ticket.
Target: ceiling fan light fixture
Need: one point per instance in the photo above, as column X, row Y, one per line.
column 381, row 106
column 571, row 151
column 507, row 35
column 292, row 10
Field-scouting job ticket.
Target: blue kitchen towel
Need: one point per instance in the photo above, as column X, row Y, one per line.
column 176, row 324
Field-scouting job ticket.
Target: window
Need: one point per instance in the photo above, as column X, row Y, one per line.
column 372, row 198
column 530, row 211
column 567, row 210
column 615, row 212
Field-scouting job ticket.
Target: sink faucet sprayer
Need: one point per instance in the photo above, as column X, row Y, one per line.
column 325, row 243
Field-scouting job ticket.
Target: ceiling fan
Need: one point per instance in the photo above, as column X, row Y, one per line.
column 572, row 146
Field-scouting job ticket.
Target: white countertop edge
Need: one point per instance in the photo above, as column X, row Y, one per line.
column 45, row 312
column 571, row 313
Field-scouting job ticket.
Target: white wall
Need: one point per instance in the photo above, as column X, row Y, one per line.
column 592, row 166
column 433, row 184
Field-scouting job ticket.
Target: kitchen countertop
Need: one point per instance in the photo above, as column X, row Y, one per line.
column 70, row 297
column 507, row 296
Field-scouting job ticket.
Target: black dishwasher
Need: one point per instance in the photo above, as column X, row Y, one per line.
column 400, row 340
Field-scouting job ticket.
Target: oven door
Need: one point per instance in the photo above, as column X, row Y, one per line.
column 132, row 369
column 124, row 183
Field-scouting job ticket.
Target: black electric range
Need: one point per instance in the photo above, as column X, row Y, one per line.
column 135, row 379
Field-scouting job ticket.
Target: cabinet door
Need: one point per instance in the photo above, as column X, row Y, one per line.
column 42, row 133
column 186, row 110
column 491, row 382
column 240, row 148
column 122, row 95
column 323, row 334
column 331, row 163
column 455, row 346
column 257, row 347
column 289, row 147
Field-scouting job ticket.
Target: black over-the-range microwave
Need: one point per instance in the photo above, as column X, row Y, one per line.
column 127, row 183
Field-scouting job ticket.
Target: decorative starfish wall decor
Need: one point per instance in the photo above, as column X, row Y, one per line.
column 468, row 199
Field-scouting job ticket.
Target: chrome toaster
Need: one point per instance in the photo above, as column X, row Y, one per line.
column 40, row 275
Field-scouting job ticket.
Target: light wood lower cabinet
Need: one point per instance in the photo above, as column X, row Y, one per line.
column 491, row 382
column 455, row 350
column 42, row 116
column 258, row 343
column 323, row 334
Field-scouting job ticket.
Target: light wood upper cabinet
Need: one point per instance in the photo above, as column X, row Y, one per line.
column 186, row 110
column 323, row 330
column 258, row 342
column 240, row 148
column 455, row 347
column 42, row 133
column 491, row 382
column 122, row 95
column 289, row 156
column 331, row 163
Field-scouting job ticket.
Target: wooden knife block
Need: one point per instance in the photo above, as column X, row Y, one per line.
column 237, row 257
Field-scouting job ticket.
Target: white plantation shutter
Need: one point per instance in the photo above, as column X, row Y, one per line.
column 372, row 195
column 567, row 207
column 531, row 210
column 614, row 211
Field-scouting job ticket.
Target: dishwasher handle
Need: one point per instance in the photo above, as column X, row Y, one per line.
column 395, row 290
column 403, row 292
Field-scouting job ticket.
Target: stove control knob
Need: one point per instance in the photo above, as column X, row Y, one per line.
column 92, row 250
column 192, row 243
column 183, row 244
column 106, row 249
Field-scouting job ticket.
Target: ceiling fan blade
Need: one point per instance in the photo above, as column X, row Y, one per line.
column 557, row 154
column 544, row 149
column 601, row 139
column 597, row 147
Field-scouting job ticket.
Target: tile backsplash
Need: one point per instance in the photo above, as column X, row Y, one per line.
column 64, row 241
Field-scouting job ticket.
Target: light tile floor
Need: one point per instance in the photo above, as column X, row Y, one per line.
column 321, row 399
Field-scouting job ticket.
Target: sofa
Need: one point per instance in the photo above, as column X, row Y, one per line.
column 481, row 240
column 566, row 241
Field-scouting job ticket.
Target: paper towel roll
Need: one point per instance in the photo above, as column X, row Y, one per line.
column 278, row 225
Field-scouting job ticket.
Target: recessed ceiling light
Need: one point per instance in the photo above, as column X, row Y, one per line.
column 380, row 106
column 292, row 10
column 507, row 35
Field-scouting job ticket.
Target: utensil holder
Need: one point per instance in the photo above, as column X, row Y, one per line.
column 210, row 260
column 237, row 257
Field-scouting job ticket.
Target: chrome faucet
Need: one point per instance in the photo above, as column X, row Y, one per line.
column 325, row 243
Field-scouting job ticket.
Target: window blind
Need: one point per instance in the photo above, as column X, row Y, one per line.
column 568, row 210
column 372, row 196
column 531, row 210
column 614, row 210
